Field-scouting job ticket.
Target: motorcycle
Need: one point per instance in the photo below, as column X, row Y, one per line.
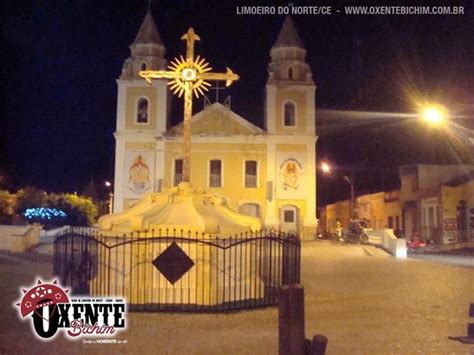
column 356, row 234
column 416, row 244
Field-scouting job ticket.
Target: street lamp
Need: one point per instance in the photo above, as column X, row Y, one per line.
column 108, row 184
column 434, row 114
column 326, row 168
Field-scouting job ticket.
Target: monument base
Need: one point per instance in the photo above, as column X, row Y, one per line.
column 167, row 271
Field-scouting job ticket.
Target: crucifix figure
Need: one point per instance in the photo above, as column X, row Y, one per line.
column 187, row 76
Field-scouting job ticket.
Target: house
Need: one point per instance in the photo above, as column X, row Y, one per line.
column 431, row 197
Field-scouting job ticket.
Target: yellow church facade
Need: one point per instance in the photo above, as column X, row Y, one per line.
column 264, row 172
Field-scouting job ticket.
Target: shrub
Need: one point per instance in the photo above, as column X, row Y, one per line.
column 7, row 206
column 80, row 210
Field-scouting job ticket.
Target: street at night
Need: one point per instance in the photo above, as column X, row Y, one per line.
column 363, row 304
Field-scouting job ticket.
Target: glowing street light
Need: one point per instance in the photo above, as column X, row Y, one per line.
column 325, row 167
column 434, row 115
column 108, row 184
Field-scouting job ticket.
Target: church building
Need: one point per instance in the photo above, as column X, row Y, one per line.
column 265, row 172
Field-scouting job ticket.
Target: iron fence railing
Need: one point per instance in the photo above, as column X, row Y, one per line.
column 179, row 271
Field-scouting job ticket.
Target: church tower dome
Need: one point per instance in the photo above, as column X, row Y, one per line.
column 147, row 50
column 288, row 56
column 290, row 89
column 142, row 113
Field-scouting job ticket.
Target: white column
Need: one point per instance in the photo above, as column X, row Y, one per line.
column 271, row 219
column 159, row 163
column 121, row 105
column 271, row 109
column 310, row 110
column 162, row 103
column 118, row 180
column 310, row 217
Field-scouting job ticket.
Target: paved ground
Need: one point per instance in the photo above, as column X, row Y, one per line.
column 450, row 259
column 364, row 304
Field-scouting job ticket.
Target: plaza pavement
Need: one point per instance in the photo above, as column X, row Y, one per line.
column 365, row 303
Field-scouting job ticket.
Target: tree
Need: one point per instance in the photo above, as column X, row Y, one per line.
column 80, row 210
column 29, row 197
column 7, row 206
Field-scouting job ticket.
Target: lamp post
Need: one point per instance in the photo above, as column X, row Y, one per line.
column 111, row 196
column 326, row 168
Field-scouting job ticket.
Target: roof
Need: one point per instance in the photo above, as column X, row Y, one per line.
column 148, row 33
column 217, row 119
column 288, row 36
column 461, row 179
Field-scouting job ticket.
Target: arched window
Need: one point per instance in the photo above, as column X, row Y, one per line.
column 143, row 66
column 289, row 114
column 142, row 110
column 290, row 73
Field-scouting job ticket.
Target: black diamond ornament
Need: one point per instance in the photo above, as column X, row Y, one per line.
column 173, row 263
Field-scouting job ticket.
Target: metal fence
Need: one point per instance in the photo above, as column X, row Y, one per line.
column 179, row 271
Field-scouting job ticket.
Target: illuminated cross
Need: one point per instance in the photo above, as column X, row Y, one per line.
column 188, row 76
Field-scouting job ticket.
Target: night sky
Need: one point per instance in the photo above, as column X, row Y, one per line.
column 60, row 60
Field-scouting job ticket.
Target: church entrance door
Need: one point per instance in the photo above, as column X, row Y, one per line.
column 289, row 219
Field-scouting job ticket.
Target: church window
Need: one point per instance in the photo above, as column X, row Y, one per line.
column 290, row 73
column 143, row 66
column 288, row 216
column 178, row 171
column 142, row 110
column 250, row 173
column 289, row 114
column 215, row 173
column 250, row 209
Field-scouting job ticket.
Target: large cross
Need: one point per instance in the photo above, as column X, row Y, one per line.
column 187, row 76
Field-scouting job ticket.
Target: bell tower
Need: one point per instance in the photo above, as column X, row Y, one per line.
column 290, row 90
column 290, row 125
column 142, row 111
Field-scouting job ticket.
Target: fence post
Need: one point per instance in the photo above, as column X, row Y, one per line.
column 284, row 330
column 469, row 339
column 470, row 326
column 317, row 346
column 291, row 338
